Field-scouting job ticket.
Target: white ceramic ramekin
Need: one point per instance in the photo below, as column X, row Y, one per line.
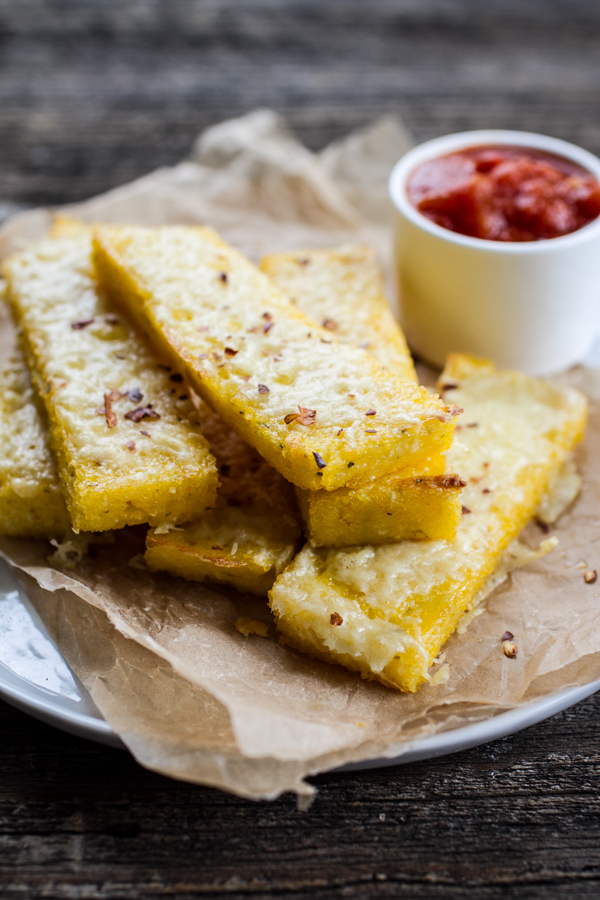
column 532, row 306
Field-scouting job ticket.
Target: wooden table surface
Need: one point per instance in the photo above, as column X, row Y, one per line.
column 95, row 92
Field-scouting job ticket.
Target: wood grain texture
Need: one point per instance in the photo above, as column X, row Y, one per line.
column 96, row 92
column 520, row 817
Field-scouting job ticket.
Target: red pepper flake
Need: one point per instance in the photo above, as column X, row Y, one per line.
column 351, row 396
column 146, row 434
column 142, row 412
column 341, row 431
column 176, row 377
column 229, row 351
column 203, row 328
column 267, row 316
column 223, row 277
column 78, row 326
column 472, row 424
column 449, row 386
column 135, row 395
column 303, row 261
column 245, row 377
column 371, row 412
column 203, row 356
column 130, row 445
column 110, row 415
column 335, row 619
column 465, row 510
column 370, row 431
column 263, row 389
column 267, row 327
column 507, row 636
column 486, row 491
column 453, row 410
column 319, row 460
column 330, row 324
column 590, row 576
column 445, row 481
column 304, row 417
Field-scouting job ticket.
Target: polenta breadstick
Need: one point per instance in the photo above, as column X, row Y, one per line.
column 31, row 500
column 407, row 505
column 246, row 545
column 344, row 290
column 321, row 412
column 121, row 426
column 253, row 529
column 250, row 535
column 386, row 611
column 253, row 532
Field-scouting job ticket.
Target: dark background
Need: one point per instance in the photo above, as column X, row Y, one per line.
column 96, row 92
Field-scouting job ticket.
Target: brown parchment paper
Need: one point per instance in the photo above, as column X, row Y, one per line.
column 162, row 658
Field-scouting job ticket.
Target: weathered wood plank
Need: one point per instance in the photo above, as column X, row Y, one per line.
column 93, row 94
column 77, row 819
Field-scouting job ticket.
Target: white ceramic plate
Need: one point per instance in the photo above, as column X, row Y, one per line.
column 35, row 678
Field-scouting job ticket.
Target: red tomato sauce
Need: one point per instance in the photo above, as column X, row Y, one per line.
column 502, row 193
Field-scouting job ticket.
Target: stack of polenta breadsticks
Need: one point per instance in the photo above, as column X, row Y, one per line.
column 164, row 379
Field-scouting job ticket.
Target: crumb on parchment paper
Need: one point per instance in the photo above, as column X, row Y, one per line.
column 248, row 626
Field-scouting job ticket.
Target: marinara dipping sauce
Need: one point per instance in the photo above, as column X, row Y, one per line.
column 505, row 193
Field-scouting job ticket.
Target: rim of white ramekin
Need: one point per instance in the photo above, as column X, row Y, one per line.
column 450, row 143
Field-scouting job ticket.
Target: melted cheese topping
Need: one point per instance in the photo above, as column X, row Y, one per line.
column 344, row 290
column 563, row 489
